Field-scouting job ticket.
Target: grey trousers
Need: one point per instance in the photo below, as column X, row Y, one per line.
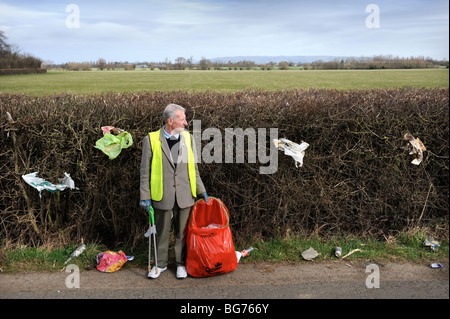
column 163, row 223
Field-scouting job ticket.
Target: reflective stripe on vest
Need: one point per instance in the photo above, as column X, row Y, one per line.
column 156, row 178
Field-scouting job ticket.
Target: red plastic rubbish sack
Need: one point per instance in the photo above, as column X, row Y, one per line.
column 209, row 244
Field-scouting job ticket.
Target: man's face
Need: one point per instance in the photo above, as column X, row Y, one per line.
column 178, row 124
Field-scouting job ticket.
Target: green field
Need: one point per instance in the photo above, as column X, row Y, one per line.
column 196, row 81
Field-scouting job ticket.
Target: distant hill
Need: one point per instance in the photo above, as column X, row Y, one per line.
column 277, row 59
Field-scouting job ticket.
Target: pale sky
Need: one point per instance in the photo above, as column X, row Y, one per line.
column 155, row 30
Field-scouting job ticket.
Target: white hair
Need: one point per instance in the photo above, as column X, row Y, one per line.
column 171, row 110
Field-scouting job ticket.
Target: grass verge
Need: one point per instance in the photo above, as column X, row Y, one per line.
column 405, row 247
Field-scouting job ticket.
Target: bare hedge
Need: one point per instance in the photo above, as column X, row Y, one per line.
column 356, row 178
column 22, row 71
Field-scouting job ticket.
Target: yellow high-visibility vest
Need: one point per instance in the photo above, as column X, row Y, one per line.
column 156, row 178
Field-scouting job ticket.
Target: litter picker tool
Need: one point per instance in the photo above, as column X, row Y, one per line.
column 151, row 233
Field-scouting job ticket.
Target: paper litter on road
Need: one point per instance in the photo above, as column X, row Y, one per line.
column 353, row 251
column 433, row 244
column 310, row 254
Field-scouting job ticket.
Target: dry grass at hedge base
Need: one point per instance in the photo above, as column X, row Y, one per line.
column 355, row 178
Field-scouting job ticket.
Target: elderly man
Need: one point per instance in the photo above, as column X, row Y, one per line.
column 170, row 182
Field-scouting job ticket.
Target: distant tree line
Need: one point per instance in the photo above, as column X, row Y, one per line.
column 88, row 66
column 181, row 63
column 12, row 59
column 378, row 62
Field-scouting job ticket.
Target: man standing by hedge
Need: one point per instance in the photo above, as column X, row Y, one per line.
column 170, row 181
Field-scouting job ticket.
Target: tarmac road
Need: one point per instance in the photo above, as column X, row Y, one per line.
column 313, row 280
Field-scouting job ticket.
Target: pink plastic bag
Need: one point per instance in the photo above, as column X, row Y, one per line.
column 110, row 261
